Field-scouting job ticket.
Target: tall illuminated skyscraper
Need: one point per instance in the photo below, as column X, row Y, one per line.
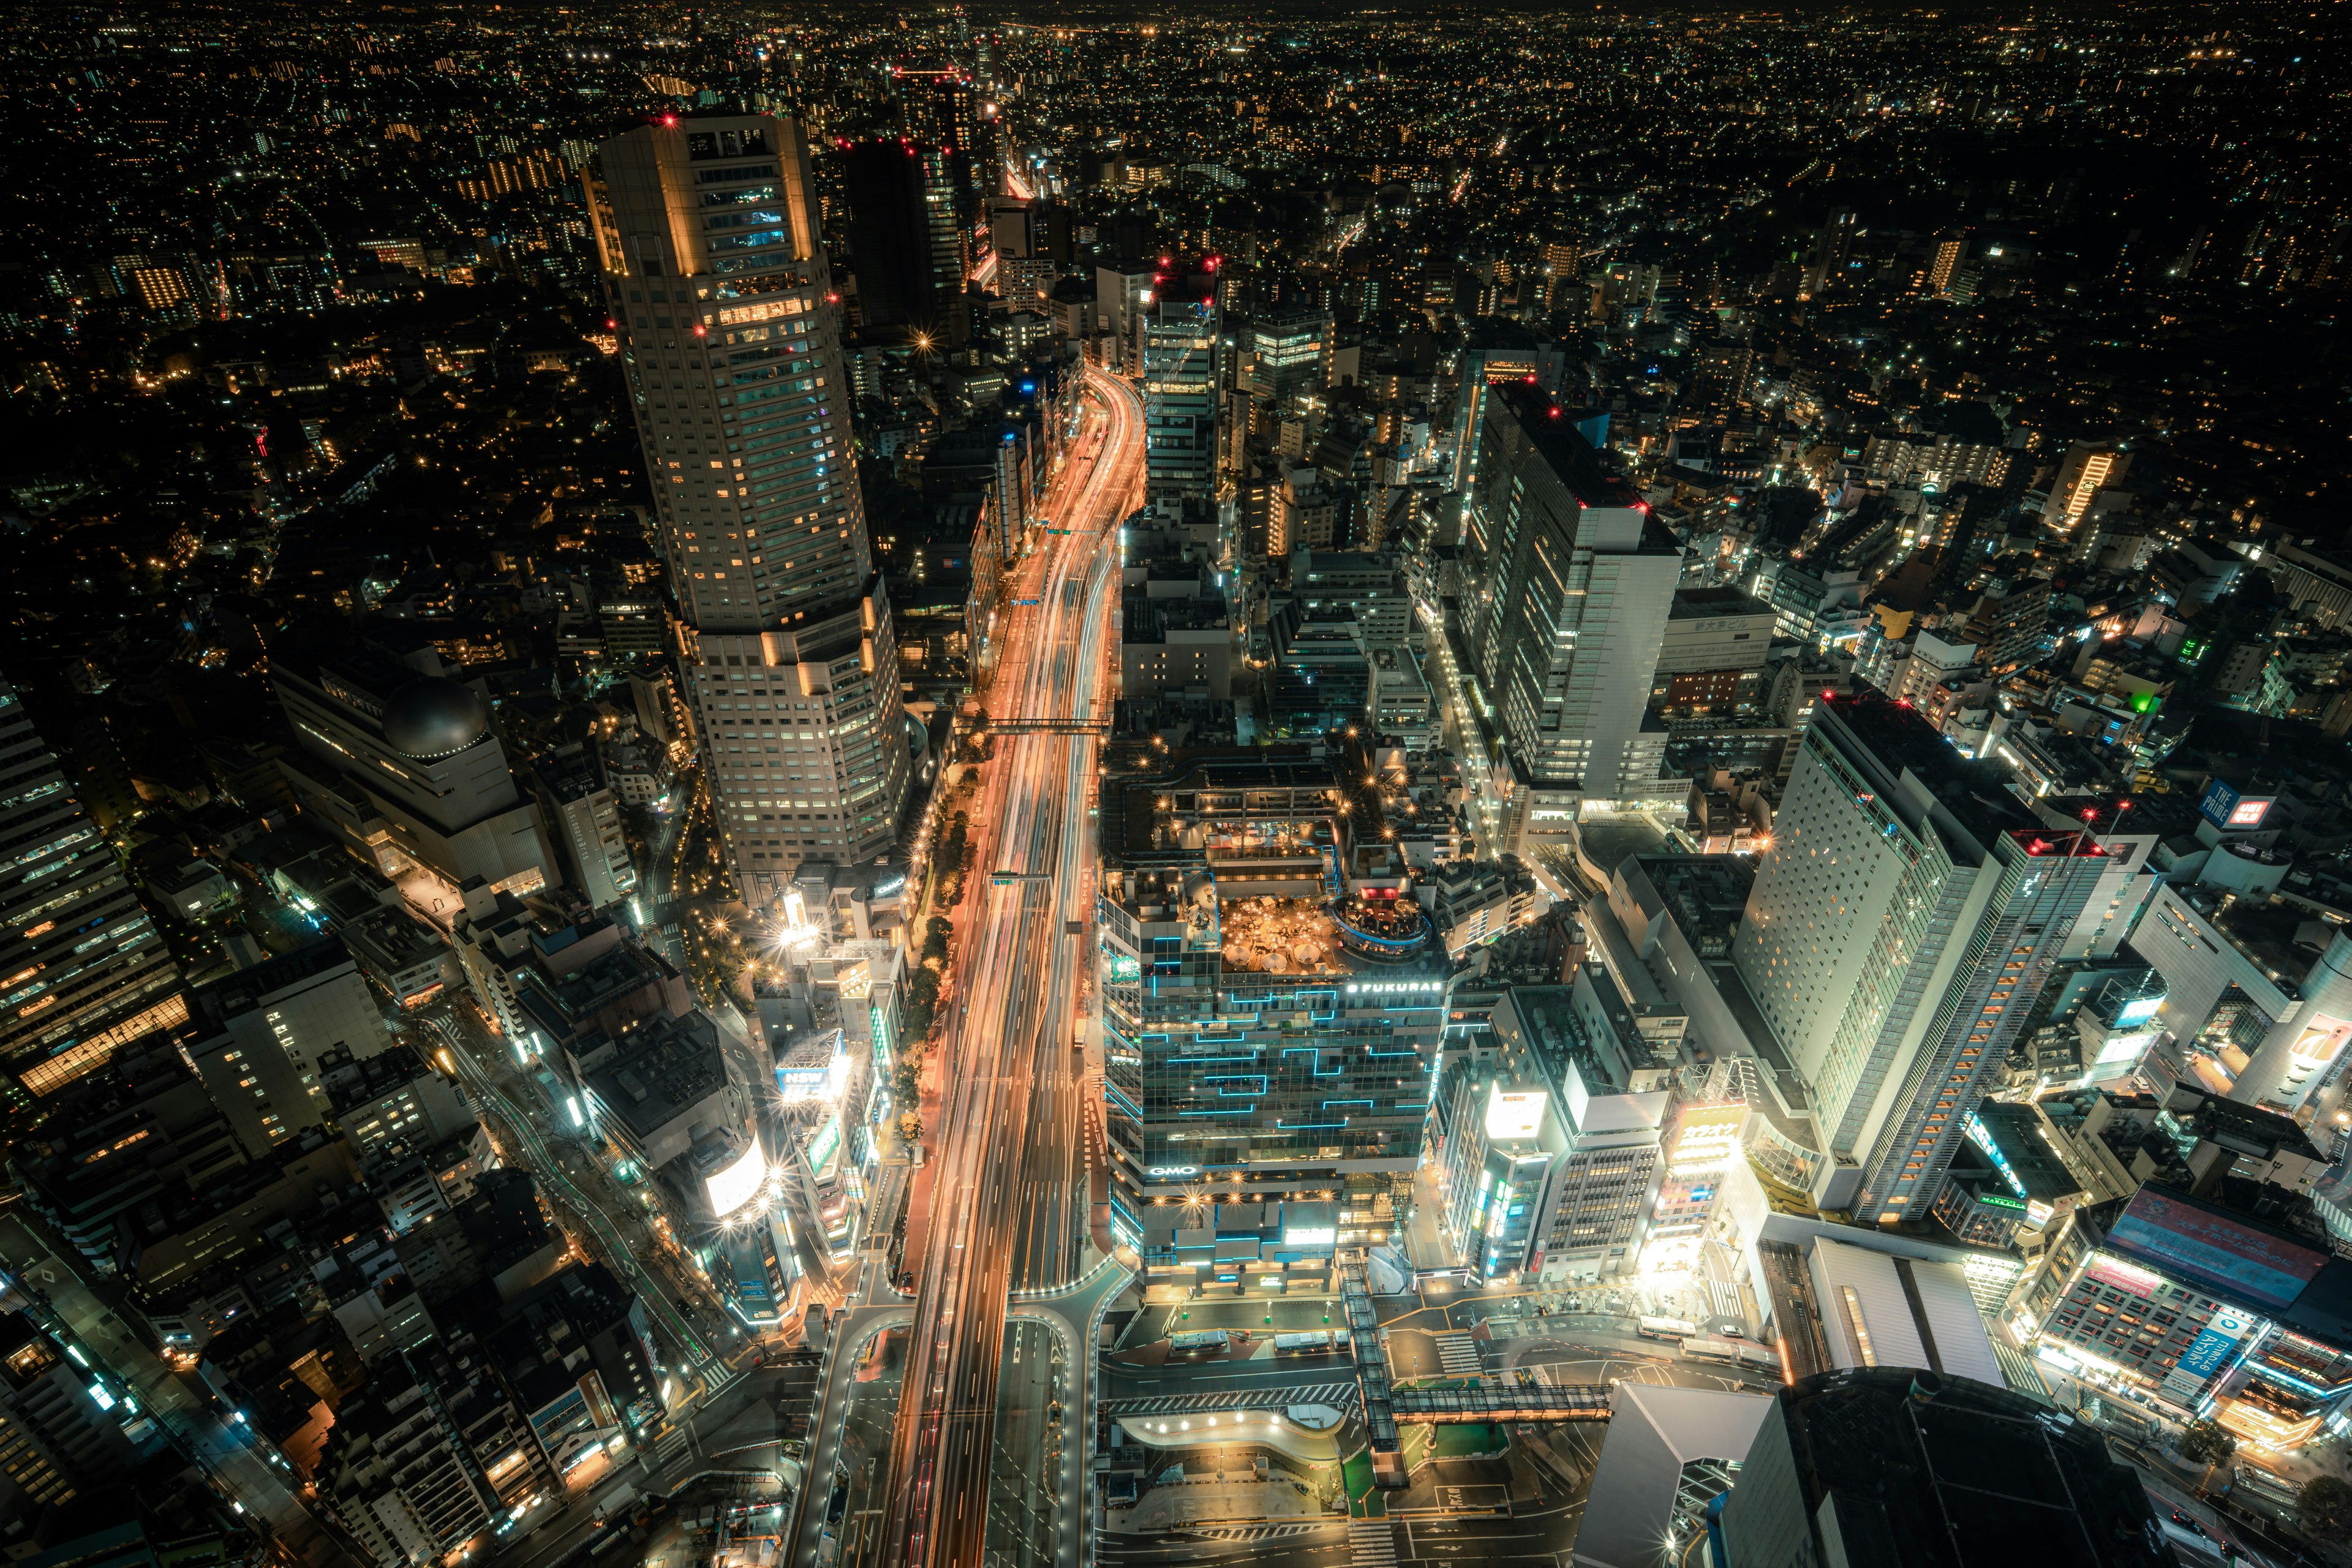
column 719, row 292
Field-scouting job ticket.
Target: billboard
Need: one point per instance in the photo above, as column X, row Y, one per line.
column 2321, row 1041
column 2108, row 1269
column 2210, row 1351
column 2202, row 1246
column 1514, row 1115
column 738, row 1182
column 2225, row 807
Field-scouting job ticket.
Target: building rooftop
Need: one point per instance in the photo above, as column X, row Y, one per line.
column 1901, row 1467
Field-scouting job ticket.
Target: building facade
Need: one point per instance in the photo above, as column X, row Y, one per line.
column 707, row 233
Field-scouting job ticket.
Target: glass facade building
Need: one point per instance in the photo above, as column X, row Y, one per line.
column 1253, row 1072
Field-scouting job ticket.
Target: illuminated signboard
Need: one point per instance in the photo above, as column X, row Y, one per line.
column 2210, row 1351
column 2108, row 1269
column 855, row 980
column 1984, row 1139
column 1514, row 1115
column 738, row 1183
column 2123, row 1047
column 825, row 1145
column 2321, row 1042
column 2199, row 1244
column 1703, row 1147
column 2138, row 1012
column 2224, row 806
column 1125, row 971
column 1310, row 1236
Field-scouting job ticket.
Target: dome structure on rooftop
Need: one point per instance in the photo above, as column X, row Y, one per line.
column 433, row 717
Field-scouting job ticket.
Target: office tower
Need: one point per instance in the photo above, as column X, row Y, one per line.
column 1176, row 344
column 907, row 244
column 712, row 267
column 1897, row 937
column 259, row 1036
column 400, row 761
column 1575, row 582
column 1882, row 1464
column 89, row 969
column 2087, row 466
column 939, row 111
column 1829, row 247
column 1281, row 355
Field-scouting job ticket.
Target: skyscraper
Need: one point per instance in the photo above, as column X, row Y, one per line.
column 713, row 273
column 1576, row 581
column 1899, row 932
column 89, row 969
column 1176, row 342
column 907, row 244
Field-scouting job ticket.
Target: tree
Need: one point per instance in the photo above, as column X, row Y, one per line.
column 2204, row 1442
column 2324, row 1507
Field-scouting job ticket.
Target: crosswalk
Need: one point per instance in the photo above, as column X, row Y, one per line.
column 1457, row 1355
column 1726, row 1299
column 1339, row 1396
column 1371, row 1543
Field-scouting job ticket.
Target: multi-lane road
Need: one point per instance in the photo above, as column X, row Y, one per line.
column 1009, row 1201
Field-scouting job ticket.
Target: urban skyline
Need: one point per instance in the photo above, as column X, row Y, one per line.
column 971, row 789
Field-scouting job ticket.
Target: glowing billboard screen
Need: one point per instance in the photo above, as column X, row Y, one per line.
column 738, row 1182
column 2198, row 1245
column 1514, row 1115
column 2321, row 1041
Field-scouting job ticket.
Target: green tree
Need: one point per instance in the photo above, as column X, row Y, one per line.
column 2324, row 1507
column 2204, row 1442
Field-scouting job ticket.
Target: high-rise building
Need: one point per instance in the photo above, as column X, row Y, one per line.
column 1575, row 581
column 1898, row 934
column 1950, row 251
column 2087, row 468
column 1846, row 1466
column 712, row 267
column 1177, row 345
column 905, row 244
column 584, row 815
column 89, row 970
column 1496, row 351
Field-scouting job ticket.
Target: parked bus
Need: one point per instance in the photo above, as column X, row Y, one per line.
column 1306, row 1341
column 1196, row 1342
column 1664, row 1329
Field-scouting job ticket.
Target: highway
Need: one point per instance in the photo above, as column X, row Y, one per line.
column 1010, row 1199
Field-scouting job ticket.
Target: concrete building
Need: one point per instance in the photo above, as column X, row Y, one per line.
column 1575, row 588
column 1611, row 1096
column 400, row 761
column 259, row 1037
column 95, row 973
column 1899, row 932
column 1848, row 1468
column 795, row 665
column 583, row 816
column 1669, row 1454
